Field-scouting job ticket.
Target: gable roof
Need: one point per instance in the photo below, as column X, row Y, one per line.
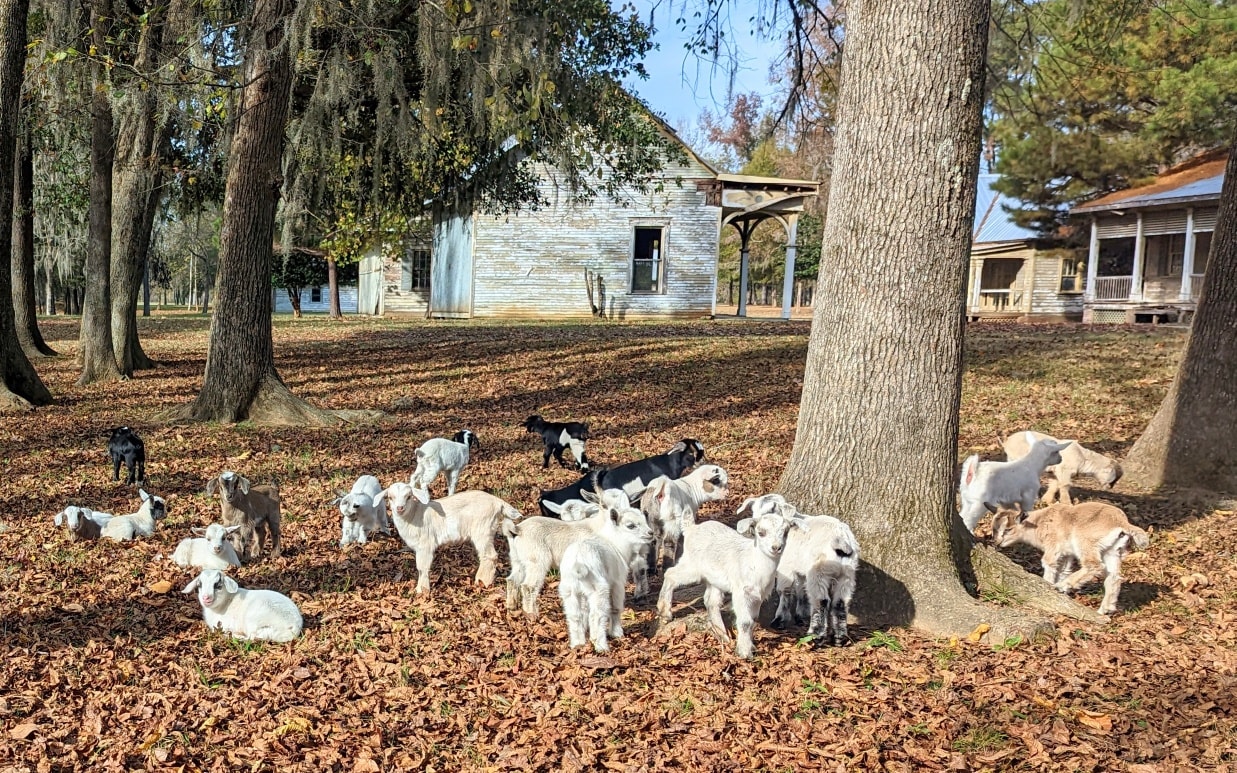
column 1196, row 180
column 669, row 131
column 993, row 222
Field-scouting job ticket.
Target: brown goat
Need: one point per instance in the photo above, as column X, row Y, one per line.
column 1094, row 535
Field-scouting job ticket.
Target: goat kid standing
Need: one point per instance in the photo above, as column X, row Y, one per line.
column 1005, row 483
column 1093, row 535
column 441, row 455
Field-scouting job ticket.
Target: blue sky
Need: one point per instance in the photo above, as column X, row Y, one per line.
column 681, row 85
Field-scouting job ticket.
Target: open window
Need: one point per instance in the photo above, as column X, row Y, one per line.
column 648, row 260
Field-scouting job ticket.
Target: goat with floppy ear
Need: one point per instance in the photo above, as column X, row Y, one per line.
column 1095, row 536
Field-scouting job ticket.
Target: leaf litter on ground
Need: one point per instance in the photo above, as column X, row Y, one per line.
column 108, row 667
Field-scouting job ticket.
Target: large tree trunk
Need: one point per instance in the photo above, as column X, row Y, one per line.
column 25, row 307
column 332, row 281
column 1192, row 439
column 878, row 421
column 98, row 358
column 21, row 387
column 241, row 381
column 139, row 142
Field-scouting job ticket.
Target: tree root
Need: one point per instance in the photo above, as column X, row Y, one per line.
column 13, row 403
column 994, row 570
column 275, row 404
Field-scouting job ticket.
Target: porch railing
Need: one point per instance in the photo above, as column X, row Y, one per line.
column 1113, row 288
column 1196, row 286
column 999, row 300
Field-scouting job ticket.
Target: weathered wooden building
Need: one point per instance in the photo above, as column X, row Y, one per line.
column 1014, row 274
column 645, row 255
column 1149, row 245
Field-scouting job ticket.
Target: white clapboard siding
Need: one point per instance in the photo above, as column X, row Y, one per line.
column 347, row 301
column 1047, row 298
column 533, row 264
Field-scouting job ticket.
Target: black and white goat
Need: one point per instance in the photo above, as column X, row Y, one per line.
column 633, row 478
column 124, row 445
column 560, row 435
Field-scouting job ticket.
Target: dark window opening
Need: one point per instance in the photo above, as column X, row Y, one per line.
column 415, row 271
column 646, row 261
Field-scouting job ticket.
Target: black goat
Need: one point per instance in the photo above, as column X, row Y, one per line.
column 558, row 435
column 125, row 446
column 632, row 477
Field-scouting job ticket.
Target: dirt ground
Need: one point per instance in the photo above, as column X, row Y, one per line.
column 109, row 667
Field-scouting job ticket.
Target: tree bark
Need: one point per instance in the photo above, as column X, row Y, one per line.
column 294, row 299
column 21, row 388
column 1192, row 439
column 25, row 307
column 878, row 420
column 98, row 358
column 332, row 281
column 241, row 381
column 49, row 290
column 139, row 142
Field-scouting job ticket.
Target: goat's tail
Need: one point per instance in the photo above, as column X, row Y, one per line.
column 510, row 528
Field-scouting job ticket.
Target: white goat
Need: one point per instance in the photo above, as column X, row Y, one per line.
column 82, row 522
column 1094, row 535
column 593, row 578
column 1075, row 460
column 210, row 550
column 1005, row 483
column 123, row 528
column 441, row 455
column 666, row 502
column 363, row 511
column 741, row 562
column 255, row 615
column 425, row 525
column 253, row 508
column 536, row 545
column 818, row 566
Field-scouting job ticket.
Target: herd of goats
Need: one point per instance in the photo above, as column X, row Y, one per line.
column 618, row 521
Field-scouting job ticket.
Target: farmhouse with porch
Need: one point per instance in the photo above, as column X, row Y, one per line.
column 1149, row 245
column 650, row 255
column 1014, row 273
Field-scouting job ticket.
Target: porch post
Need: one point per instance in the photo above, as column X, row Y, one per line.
column 745, row 235
column 1140, row 248
column 1093, row 262
column 977, row 272
column 1187, row 261
column 792, row 249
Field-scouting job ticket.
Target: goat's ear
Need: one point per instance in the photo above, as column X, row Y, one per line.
column 744, row 526
column 746, row 507
column 230, row 529
column 990, row 507
column 198, row 530
column 422, row 495
column 142, row 493
column 193, row 585
column 589, row 496
column 553, row 507
column 797, row 521
column 677, row 448
column 212, row 486
column 243, row 484
column 60, row 518
column 230, row 585
column 634, row 498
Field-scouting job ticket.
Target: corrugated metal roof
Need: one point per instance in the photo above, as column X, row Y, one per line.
column 1197, row 180
column 993, row 223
